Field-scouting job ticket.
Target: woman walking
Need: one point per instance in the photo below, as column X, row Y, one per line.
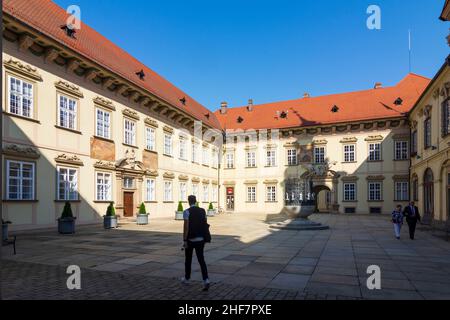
column 397, row 220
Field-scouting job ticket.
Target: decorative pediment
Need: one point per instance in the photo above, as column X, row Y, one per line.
column 69, row 88
column 108, row 104
column 183, row 177
column 247, row 148
column 376, row 178
column 168, row 129
column 229, row 183
column 130, row 113
column 413, row 124
column 150, row 122
column 130, row 163
column 400, row 177
column 169, row 175
column 320, row 142
column 151, row 173
column 69, row 159
column 427, row 111
column 24, row 69
column 107, row 165
column 350, row 179
column 195, row 179
column 374, row 138
column 215, row 182
column 205, row 144
column 270, row 146
column 251, row 182
column 21, row 151
column 402, row 137
column 270, row 181
column 291, row 144
column 349, row 140
column 205, row 181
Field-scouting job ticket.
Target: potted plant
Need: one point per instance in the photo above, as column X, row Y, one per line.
column 110, row 219
column 66, row 224
column 179, row 212
column 5, row 225
column 211, row 211
column 142, row 216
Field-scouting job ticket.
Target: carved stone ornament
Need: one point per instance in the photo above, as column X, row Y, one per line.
column 270, row 181
column 23, row 69
column 183, row 177
column 151, row 173
column 350, row 179
column 151, row 122
column 413, row 124
column 401, row 177
column 130, row 113
column 108, row 165
column 69, row 159
column 21, row 151
column 214, row 182
column 349, row 140
column 374, row 138
column 251, row 182
column 427, row 111
column 205, row 181
column 108, row 104
column 169, row 175
column 320, row 142
column 168, row 129
column 375, row 178
column 69, row 88
column 195, row 179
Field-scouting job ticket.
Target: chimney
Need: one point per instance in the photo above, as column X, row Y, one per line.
column 306, row 95
column 250, row 105
column 223, row 108
column 378, row 85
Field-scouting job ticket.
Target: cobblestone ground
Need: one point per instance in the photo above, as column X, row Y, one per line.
column 247, row 260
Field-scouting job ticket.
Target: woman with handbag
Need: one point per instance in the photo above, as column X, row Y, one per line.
column 397, row 220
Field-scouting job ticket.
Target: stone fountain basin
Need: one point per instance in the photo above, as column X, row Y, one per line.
column 299, row 212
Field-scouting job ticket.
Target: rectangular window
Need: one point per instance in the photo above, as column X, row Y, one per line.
column 271, row 159
column 375, row 152
column 214, row 156
column 415, row 191
column 183, row 149
column 195, row 190
column 67, row 112
column 251, row 159
column 445, row 118
column 319, row 154
column 183, row 191
column 103, row 124
column 230, row 160
column 205, row 156
column 401, row 150
column 168, row 144
column 271, row 195
column 427, row 132
column 251, row 194
column 349, row 153
column 129, row 130
column 150, row 139
column 195, row 153
column 349, row 191
column 128, row 183
column 20, row 97
column 292, row 157
column 168, row 191
column 103, row 186
column 401, row 191
column 67, row 184
column 20, row 180
column 214, row 193
column 205, row 193
column 414, row 143
column 375, row 191
column 150, row 190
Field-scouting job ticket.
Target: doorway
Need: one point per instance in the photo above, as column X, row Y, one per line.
column 128, row 204
column 230, row 199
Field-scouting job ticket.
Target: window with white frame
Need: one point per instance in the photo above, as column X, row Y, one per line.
column 183, row 191
column 168, row 191
column 214, row 193
column 67, row 184
column 195, row 156
column 20, row 97
column 401, row 191
column 292, row 157
column 374, row 151
column 103, row 124
column 349, row 153
column 168, row 144
column 195, row 190
column 205, row 193
column 319, row 154
column 375, row 191
column 414, row 142
column 251, row 193
column 103, row 186
column 183, row 149
column 271, row 193
column 427, row 132
column 150, row 138
column 229, row 157
column 401, row 150
column 150, row 194
column 349, row 191
column 214, row 156
column 251, row 159
column 271, row 158
column 20, row 180
column 205, row 156
column 128, row 183
column 445, row 113
column 67, row 112
column 129, row 131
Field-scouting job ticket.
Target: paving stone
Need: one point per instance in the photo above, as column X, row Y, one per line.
column 289, row 281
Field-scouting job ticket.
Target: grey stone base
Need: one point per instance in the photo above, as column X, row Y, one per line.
column 299, row 224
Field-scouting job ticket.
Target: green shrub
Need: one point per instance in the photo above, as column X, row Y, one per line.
column 180, row 207
column 197, row 204
column 210, row 206
column 67, row 211
column 142, row 209
column 111, row 211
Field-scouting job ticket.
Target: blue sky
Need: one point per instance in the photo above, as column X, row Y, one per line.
column 233, row 50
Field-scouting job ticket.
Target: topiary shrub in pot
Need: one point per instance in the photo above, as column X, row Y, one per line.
column 142, row 216
column 66, row 224
column 5, row 225
column 179, row 212
column 110, row 219
column 211, row 211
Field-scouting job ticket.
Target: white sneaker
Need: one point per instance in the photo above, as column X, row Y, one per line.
column 184, row 280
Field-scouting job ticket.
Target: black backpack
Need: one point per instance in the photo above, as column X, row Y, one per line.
column 198, row 226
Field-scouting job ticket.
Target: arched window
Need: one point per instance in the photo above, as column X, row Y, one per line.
column 428, row 189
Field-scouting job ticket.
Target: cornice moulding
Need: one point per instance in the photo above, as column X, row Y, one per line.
column 21, row 151
column 130, row 113
column 24, row 69
column 69, row 88
column 108, row 165
column 108, row 104
column 69, row 159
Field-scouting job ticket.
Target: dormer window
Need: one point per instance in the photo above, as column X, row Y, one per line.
column 240, row 120
column 70, row 30
column 207, row 115
column 141, row 74
column 335, row 109
column 283, row 115
column 183, row 101
column 398, row 102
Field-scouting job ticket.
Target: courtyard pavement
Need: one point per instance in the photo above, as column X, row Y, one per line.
column 246, row 260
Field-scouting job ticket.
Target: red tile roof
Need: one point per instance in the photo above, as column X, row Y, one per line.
column 47, row 17
column 353, row 106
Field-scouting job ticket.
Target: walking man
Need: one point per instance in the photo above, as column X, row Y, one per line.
column 412, row 215
column 194, row 234
column 397, row 220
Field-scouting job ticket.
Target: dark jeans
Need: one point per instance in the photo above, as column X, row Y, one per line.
column 199, row 247
column 412, row 227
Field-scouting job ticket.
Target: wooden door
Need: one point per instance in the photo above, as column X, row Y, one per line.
column 128, row 204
